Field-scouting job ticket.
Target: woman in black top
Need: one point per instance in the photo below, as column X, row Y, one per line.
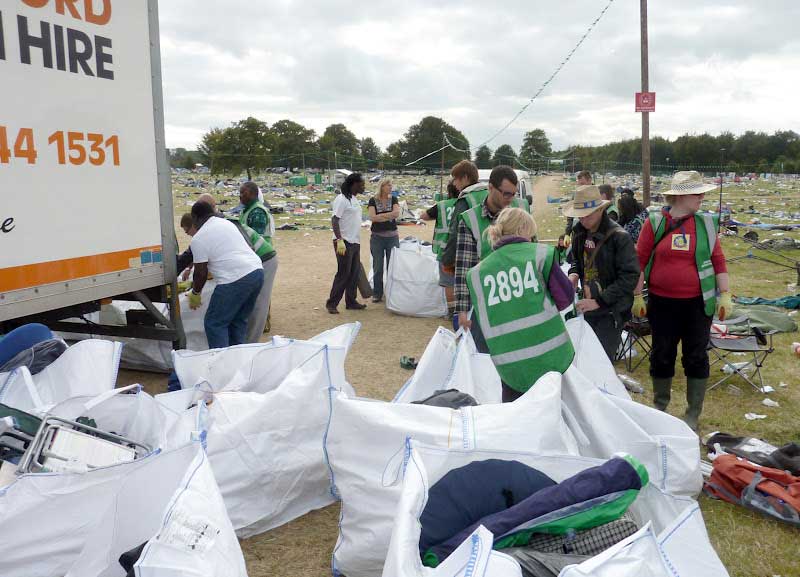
column 384, row 209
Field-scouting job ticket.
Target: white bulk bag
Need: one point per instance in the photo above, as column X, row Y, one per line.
column 412, row 281
column 261, row 367
column 364, row 445
column 592, row 360
column 48, row 522
column 85, row 369
column 605, row 424
column 196, row 538
column 672, row 539
column 451, row 361
column 132, row 413
column 266, row 449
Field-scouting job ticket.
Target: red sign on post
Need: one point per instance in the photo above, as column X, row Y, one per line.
column 645, row 102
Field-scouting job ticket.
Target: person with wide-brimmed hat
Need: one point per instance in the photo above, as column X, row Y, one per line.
column 684, row 267
column 603, row 260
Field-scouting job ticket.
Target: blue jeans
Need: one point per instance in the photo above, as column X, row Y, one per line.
column 231, row 304
column 381, row 249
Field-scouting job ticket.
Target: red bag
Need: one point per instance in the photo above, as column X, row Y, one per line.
column 770, row 491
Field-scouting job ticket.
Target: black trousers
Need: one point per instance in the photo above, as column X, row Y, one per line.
column 346, row 279
column 607, row 329
column 673, row 320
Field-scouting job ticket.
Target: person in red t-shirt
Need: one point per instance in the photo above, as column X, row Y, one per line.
column 682, row 261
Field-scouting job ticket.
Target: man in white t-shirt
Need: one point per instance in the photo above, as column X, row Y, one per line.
column 347, row 244
column 220, row 249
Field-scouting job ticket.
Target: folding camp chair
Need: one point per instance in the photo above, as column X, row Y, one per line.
column 755, row 344
column 637, row 332
column 62, row 445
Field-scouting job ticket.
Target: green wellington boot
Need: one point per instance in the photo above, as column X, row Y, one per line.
column 695, row 393
column 661, row 393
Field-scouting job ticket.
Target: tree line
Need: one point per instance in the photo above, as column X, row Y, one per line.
column 251, row 145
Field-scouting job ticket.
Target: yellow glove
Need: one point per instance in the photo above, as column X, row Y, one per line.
column 195, row 300
column 639, row 309
column 184, row 286
column 724, row 305
column 341, row 248
column 567, row 241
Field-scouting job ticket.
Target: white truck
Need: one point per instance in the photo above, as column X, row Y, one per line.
column 85, row 196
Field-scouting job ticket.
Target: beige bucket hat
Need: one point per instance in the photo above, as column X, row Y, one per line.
column 689, row 182
column 587, row 200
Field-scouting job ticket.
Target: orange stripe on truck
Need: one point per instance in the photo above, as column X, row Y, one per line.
column 32, row 275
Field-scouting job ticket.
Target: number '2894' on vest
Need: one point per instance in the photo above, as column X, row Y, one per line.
column 524, row 331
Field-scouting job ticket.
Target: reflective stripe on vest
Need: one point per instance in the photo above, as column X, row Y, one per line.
column 706, row 231
column 506, row 330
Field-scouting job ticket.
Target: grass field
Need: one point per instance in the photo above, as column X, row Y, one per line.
column 750, row 545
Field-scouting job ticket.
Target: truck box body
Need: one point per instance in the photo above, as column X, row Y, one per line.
column 84, row 181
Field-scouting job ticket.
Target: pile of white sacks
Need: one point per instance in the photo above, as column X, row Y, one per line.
column 262, row 434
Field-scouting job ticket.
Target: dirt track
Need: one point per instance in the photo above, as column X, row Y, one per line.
column 306, row 268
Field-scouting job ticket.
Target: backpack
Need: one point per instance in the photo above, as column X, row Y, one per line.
column 769, row 491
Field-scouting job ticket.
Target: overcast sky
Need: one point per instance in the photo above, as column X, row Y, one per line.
column 379, row 66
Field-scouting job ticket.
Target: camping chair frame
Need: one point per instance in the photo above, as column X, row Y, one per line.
column 33, row 460
column 749, row 345
column 637, row 330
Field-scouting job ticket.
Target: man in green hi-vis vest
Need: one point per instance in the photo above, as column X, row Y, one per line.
column 471, row 242
column 255, row 220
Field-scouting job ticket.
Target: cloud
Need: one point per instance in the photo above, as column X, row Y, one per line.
column 379, row 67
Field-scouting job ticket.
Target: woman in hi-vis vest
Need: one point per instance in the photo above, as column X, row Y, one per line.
column 683, row 264
column 517, row 292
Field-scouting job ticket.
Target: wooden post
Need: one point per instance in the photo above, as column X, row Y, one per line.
column 645, row 115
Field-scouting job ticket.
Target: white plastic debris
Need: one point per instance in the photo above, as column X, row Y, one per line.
column 770, row 403
column 767, row 389
column 754, row 416
column 783, row 385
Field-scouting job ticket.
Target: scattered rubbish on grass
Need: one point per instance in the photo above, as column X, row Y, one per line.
column 770, row 403
column 754, row 416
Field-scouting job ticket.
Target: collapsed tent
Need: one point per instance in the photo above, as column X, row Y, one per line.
column 78, row 524
column 412, row 281
column 671, row 539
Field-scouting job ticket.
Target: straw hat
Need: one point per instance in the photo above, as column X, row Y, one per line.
column 587, row 200
column 688, row 182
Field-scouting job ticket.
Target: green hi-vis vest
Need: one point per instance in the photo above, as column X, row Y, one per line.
column 477, row 225
column 262, row 243
column 441, row 234
column 612, row 208
column 706, row 226
column 476, row 197
column 439, row 197
column 524, row 331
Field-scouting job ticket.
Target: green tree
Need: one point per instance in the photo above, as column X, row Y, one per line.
column 292, row 140
column 505, row 155
column 369, row 150
column 245, row 146
column 483, row 157
column 535, row 145
column 214, row 150
column 426, row 136
column 337, row 142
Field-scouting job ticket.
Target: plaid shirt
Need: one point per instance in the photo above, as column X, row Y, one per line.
column 466, row 258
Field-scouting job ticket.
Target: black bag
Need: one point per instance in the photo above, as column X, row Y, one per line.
column 363, row 283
